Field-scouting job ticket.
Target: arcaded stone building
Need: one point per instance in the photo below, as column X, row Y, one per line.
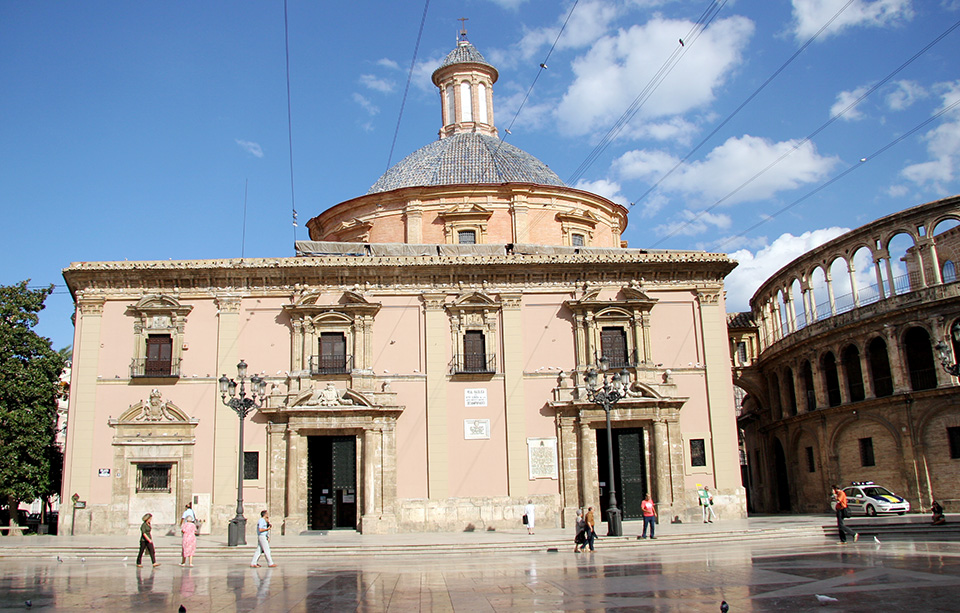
column 424, row 357
column 852, row 388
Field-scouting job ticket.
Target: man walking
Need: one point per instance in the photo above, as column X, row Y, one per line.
column 649, row 510
column 263, row 541
column 842, row 513
column 591, row 527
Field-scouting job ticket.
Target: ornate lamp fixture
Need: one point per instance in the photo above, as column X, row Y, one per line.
column 606, row 395
column 241, row 405
column 943, row 351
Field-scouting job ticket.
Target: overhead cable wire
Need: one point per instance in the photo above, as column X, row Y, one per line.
column 708, row 15
column 286, row 43
column 810, row 136
column 826, row 184
column 543, row 66
column 747, row 101
column 406, row 89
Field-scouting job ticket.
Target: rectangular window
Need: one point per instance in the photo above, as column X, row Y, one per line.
column 159, row 355
column 576, row 240
column 866, row 452
column 953, row 436
column 467, row 237
column 698, row 452
column 613, row 346
column 251, row 465
column 742, row 352
column 811, row 465
column 153, row 477
column 474, row 351
column 333, row 352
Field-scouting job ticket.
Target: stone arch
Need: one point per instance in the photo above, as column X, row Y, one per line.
column 853, row 371
column 831, row 377
column 808, row 484
column 878, row 366
column 900, row 272
column 791, row 391
column 921, row 367
column 847, row 443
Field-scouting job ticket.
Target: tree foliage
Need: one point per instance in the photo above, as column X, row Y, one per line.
column 29, row 388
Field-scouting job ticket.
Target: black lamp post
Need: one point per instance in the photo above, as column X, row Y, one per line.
column 605, row 396
column 943, row 351
column 241, row 405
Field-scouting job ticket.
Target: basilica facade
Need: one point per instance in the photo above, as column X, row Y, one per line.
column 423, row 358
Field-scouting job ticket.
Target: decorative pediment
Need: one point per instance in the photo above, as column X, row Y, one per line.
column 473, row 299
column 153, row 411
column 330, row 397
column 349, row 304
column 465, row 212
column 159, row 305
column 576, row 216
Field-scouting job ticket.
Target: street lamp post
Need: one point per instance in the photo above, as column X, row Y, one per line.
column 605, row 396
column 241, row 405
column 943, row 352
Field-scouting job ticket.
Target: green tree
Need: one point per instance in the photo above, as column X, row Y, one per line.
column 29, row 388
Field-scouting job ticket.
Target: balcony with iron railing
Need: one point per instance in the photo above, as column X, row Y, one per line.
column 473, row 364
column 618, row 361
column 331, row 364
column 144, row 368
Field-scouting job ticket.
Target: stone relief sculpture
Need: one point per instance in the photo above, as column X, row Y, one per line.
column 155, row 409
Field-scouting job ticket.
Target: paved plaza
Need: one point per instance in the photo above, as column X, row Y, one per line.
column 673, row 573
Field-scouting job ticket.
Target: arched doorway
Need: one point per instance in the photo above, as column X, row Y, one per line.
column 783, row 486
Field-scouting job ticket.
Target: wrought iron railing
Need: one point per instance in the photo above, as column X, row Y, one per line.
column 473, row 363
column 142, row 367
column 330, row 364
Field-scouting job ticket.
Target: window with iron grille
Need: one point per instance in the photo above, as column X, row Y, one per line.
column 953, row 436
column 613, row 346
column 251, row 465
column 866, row 452
column 474, row 351
column 333, row 352
column 467, row 237
column 811, row 464
column 153, row 477
column 159, row 355
column 698, row 452
column 576, row 240
column 742, row 352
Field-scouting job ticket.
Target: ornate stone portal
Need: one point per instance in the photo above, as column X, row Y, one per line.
column 327, row 411
column 153, row 463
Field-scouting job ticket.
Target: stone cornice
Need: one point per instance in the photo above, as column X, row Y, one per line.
column 658, row 268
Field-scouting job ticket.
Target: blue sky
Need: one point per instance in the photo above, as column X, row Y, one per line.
column 129, row 130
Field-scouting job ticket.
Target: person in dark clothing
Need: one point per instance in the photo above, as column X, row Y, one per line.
column 938, row 517
column 146, row 541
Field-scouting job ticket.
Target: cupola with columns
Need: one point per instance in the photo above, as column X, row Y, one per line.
column 466, row 83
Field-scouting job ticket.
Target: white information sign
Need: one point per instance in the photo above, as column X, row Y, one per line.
column 476, row 429
column 476, row 397
column 542, row 456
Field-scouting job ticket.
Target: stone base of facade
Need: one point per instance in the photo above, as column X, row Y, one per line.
column 474, row 514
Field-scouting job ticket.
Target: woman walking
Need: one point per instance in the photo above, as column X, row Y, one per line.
column 189, row 542
column 146, row 541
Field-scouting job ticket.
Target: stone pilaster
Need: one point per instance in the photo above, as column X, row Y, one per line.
column 276, row 469
column 515, row 409
column 436, row 341
column 226, row 423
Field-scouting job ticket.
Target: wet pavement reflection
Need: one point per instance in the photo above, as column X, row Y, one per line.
column 909, row 576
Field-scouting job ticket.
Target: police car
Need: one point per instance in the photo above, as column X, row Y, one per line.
column 867, row 498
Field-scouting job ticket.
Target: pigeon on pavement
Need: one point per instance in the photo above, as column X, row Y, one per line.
column 825, row 600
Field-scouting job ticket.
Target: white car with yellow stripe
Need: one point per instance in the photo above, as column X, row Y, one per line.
column 867, row 498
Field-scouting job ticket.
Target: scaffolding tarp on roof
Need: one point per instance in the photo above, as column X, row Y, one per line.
column 401, row 249
column 489, row 250
column 318, row 248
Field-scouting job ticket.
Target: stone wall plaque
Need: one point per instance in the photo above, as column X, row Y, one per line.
column 476, row 429
column 475, row 397
column 542, row 457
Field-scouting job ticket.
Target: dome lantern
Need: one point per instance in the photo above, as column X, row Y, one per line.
column 465, row 80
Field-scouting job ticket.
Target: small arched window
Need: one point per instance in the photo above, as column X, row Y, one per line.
column 482, row 103
column 451, row 102
column 466, row 101
column 949, row 272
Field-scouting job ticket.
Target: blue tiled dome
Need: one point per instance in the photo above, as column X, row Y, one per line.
column 466, row 158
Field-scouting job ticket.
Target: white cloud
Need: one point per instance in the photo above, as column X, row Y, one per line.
column 904, row 95
column 252, row 148
column 617, row 67
column 692, row 223
column 590, row 21
column 376, row 83
column 730, row 165
column 608, row 189
column 943, row 146
column 755, row 267
column 677, row 130
column 810, row 15
column 365, row 104
column 388, row 63
column 511, row 5
column 844, row 100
